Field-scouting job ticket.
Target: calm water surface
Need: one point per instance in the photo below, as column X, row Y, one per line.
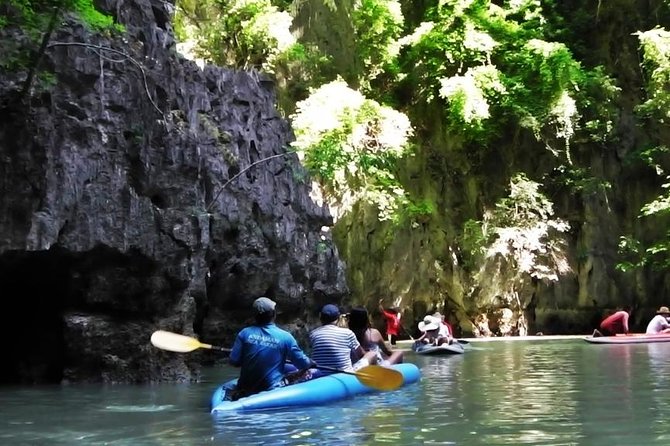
column 563, row 392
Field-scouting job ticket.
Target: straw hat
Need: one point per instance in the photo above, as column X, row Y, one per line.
column 663, row 310
column 429, row 323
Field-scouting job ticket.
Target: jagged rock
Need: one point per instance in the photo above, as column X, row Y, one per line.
column 114, row 218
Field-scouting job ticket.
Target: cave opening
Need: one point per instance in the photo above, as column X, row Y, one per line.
column 34, row 288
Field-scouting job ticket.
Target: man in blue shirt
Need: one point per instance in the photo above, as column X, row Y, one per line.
column 261, row 350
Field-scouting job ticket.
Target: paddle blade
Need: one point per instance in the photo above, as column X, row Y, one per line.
column 380, row 378
column 175, row 342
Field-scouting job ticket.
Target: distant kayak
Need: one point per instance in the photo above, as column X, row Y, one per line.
column 454, row 348
column 318, row 391
column 633, row 338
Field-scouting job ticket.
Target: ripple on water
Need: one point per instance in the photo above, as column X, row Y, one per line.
column 138, row 408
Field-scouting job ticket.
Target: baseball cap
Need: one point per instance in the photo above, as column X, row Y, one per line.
column 264, row 305
column 329, row 313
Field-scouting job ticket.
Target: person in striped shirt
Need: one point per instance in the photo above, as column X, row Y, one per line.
column 334, row 346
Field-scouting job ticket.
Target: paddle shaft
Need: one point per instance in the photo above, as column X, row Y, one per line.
column 217, row 348
column 333, row 369
column 377, row 377
column 407, row 331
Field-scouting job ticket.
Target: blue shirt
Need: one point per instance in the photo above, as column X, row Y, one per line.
column 261, row 351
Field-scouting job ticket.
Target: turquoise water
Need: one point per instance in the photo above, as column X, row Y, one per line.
column 563, row 392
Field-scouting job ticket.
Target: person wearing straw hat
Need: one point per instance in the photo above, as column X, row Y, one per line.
column 430, row 326
column 659, row 323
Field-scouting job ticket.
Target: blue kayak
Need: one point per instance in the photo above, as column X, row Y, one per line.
column 318, row 391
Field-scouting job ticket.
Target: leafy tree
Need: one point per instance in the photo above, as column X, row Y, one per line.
column 655, row 45
column 351, row 144
column 378, row 24
column 494, row 68
column 518, row 243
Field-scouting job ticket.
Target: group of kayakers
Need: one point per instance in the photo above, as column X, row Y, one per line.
column 617, row 323
column 262, row 350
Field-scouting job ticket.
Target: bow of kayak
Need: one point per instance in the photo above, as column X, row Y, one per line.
column 318, row 391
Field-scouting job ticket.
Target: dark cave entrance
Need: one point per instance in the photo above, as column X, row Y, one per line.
column 34, row 289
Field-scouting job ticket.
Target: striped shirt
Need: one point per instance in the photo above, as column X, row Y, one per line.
column 332, row 346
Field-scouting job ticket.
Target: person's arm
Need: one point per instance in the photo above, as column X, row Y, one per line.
column 297, row 356
column 235, row 358
column 356, row 349
column 376, row 337
column 359, row 352
column 625, row 322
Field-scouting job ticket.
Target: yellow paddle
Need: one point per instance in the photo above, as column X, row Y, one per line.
column 375, row 376
column 174, row 342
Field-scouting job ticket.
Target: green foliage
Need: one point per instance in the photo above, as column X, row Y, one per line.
column 34, row 15
column 351, row 145
column 240, row 33
column 252, row 34
column 420, row 209
column 472, row 241
column 657, row 254
column 38, row 19
column 377, row 24
column 655, row 46
column 411, row 212
column 634, row 255
column 580, row 180
column 521, row 237
column 493, row 67
column 322, row 247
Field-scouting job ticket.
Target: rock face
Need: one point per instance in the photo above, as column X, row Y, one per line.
column 420, row 267
column 140, row 192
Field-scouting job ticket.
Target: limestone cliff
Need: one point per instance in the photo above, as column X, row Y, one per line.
column 140, row 192
column 420, row 267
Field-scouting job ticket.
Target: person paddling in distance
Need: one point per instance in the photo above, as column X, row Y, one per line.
column 333, row 346
column 392, row 316
column 261, row 351
column 616, row 323
column 371, row 339
column 659, row 324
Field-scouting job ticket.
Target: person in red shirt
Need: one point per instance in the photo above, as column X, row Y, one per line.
column 613, row 324
column 392, row 316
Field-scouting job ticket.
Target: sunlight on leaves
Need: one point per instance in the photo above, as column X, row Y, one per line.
column 351, row 144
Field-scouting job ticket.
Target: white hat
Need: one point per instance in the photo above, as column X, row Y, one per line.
column 429, row 323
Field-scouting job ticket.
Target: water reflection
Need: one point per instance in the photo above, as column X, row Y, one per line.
column 501, row 393
column 376, row 420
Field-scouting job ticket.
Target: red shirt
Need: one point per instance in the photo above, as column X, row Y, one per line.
column 392, row 322
column 616, row 323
